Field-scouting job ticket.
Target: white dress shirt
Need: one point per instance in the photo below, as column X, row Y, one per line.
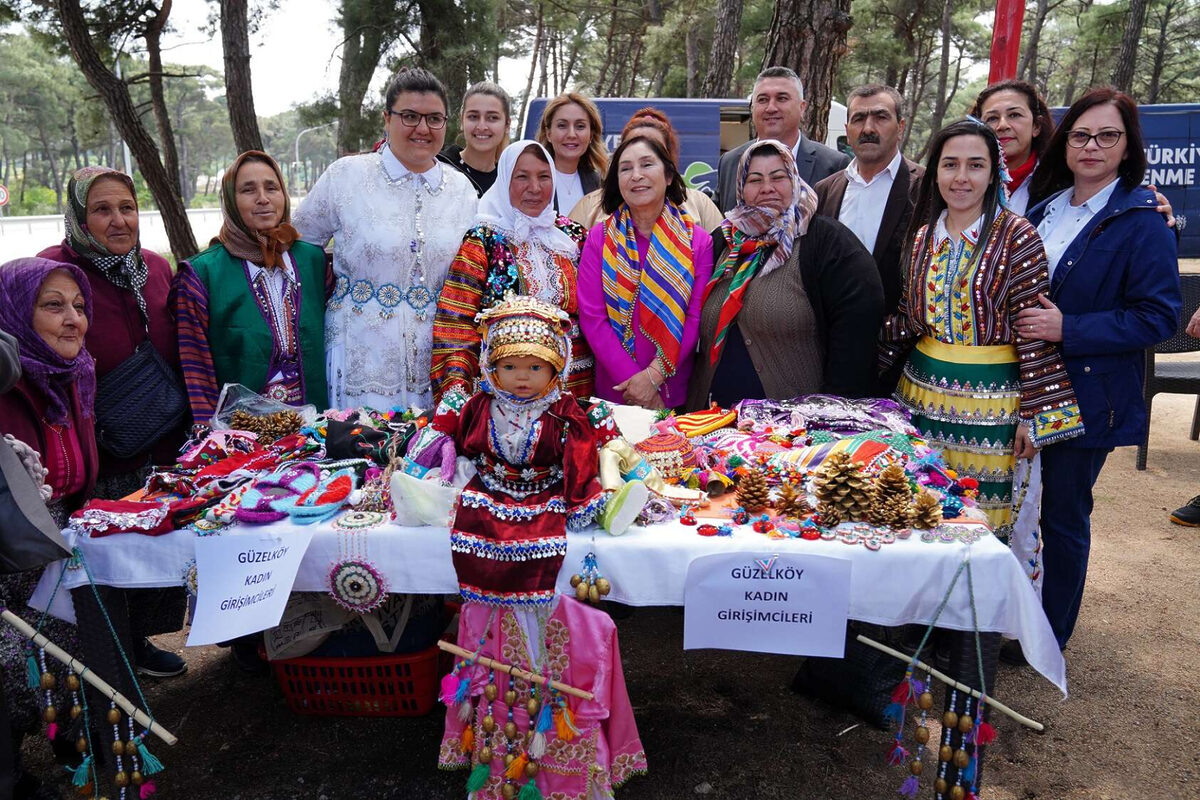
column 396, row 170
column 1064, row 221
column 864, row 201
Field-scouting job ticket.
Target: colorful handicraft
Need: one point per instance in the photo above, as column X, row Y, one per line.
column 355, row 583
column 670, row 453
column 588, row 583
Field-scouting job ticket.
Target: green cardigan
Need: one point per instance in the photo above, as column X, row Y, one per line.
column 241, row 341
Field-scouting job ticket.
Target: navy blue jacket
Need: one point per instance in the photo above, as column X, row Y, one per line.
column 1117, row 286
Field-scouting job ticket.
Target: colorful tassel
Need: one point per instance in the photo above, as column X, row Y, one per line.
column 903, row 693
column 537, row 745
column 894, row 712
column 896, row 755
column 530, row 791
column 545, row 720
column 32, row 676
column 478, row 778
column 516, row 769
column 52, row 731
column 971, row 795
column 968, row 773
column 448, row 689
column 80, row 777
column 147, row 788
column 150, row 764
column 564, row 724
column 985, row 734
column 911, row 786
column 464, row 711
column 467, row 742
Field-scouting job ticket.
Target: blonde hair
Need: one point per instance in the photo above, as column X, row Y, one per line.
column 488, row 89
column 595, row 158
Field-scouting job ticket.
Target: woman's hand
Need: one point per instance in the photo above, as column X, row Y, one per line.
column 1043, row 323
column 1023, row 446
column 1193, row 326
column 641, row 389
column 1164, row 205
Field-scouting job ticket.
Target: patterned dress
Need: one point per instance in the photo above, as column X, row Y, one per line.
column 395, row 233
column 970, row 380
column 488, row 266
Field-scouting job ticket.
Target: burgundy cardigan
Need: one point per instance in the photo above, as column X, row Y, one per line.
column 21, row 411
column 115, row 330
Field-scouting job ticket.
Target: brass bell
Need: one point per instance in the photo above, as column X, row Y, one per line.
column 118, row 747
column 915, row 767
column 485, row 754
column 921, row 734
column 533, row 706
column 121, row 779
column 603, row 586
column 136, row 778
column 965, row 723
column 957, row 793
column 510, row 698
column 576, row 579
column 961, row 759
column 75, row 712
column 113, row 716
column 949, row 719
column 81, row 745
column 73, row 682
column 939, row 786
column 489, row 723
column 593, row 594
column 946, row 753
column 50, row 714
column 925, row 701
column 491, row 692
column 509, row 791
column 510, row 730
column 47, row 680
column 581, row 592
column 509, row 758
column 531, row 770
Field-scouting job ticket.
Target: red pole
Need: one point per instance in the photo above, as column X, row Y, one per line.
column 1006, row 40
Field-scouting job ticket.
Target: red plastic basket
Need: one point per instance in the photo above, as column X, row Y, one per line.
column 379, row 686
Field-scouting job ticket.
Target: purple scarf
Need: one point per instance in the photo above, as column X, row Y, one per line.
column 53, row 375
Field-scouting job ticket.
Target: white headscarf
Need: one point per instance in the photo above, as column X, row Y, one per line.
column 497, row 211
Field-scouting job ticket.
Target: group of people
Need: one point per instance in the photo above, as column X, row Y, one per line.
column 1005, row 291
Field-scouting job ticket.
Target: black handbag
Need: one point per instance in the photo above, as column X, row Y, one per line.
column 137, row 403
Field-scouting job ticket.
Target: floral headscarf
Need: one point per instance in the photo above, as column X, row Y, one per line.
column 128, row 272
column 53, row 375
column 239, row 239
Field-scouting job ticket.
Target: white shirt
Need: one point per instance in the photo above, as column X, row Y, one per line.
column 1064, row 221
column 278, row 281
column 568, row 189
column 1018, row 201
column 396, row 170
column 864, row 201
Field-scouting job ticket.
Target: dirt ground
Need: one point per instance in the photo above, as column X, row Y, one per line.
column 725, row 725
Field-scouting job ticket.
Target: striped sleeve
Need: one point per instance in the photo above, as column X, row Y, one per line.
column 455, row 337
column 1048, row 401
column 190, row 301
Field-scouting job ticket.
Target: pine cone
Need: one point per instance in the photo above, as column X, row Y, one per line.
column 752, row 493
column 791, row 502
column 842, row 490
column 269, row 427
column 926, row 512
column 890, row 498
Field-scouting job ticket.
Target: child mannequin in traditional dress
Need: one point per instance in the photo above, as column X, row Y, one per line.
column 535, row 452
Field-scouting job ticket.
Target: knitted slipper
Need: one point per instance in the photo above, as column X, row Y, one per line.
column 323, row 500
column 258, row 504
column 623, row 507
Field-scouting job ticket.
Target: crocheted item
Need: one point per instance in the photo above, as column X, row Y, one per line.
column 259, row 504
column 525, row 326
column 671, row 454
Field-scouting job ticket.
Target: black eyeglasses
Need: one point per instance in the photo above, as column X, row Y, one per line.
column 411, row 119
column 1105, row 139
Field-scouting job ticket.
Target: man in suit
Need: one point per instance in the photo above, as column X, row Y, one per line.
column 777, row 108
column 875, row 194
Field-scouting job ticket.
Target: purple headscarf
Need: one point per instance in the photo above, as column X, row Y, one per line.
column 53, row 375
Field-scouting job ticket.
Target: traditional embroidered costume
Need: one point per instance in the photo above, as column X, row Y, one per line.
column 507, row 252
column 395, row 233
column 970, row 381
column 537, row 468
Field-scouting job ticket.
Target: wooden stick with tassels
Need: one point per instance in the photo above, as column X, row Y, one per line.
column 139, row 716
column 515, row 672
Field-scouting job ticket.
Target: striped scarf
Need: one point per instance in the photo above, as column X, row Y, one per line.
column 744, row 257
column 663, row 284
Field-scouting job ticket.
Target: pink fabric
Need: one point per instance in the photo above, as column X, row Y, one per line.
column 579, row 648
column 613, row 364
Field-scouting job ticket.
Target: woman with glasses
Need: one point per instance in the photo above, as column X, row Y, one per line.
column 1114, row 291
column 397, row 217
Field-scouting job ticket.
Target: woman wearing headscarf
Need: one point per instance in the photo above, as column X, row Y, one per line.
column 129, row 287
column 46, row 307
column 251, row 308
column 519, row 245
column 129, row 294
column 795, row 301
column 641, row 279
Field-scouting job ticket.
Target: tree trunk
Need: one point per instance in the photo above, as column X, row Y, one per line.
column 115, row 95
column 810, row 37
column 366, row 35
column 537, row 42
column 692, row 51
column 939, row 100
column 48, row 152
column 158, row 101
column 602, row 73
column 1027, row 66
column 239, row 93
column 1160, row 52
column 1127, row 57
column 726, row 36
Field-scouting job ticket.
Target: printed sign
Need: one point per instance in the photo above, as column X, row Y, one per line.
column 244, row 582
column 789, row 604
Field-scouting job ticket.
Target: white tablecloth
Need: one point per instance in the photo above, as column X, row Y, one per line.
column 899, row 584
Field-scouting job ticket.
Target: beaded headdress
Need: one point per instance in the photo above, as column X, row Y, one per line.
column 525, row 326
